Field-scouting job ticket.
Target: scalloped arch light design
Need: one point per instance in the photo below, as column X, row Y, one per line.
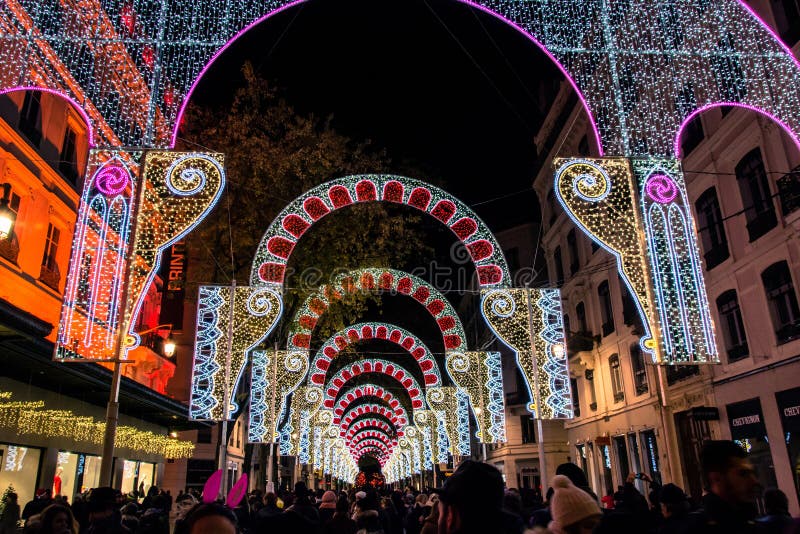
column 272, row 255
column 368, row 331
column 377, row 366
column 374, row 279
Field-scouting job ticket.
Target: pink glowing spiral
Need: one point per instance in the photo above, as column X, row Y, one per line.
column 112, row 179
column 661, row 188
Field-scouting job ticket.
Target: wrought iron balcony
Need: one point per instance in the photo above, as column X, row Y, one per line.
column 579, row 342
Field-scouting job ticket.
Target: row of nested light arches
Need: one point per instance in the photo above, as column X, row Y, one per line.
column 369, row 416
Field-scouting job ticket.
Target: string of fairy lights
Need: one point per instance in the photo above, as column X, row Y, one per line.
column 642, row 73
column 33, row 418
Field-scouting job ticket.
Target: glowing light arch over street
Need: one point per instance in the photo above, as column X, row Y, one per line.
column 374, row 279
column 720, row 47
column 369, row 390
column 275, row 249
column 354, row 412
column 378, row 331
column 377, row 366
column 370, row 422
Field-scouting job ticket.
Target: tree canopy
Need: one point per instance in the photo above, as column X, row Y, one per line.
column 272, row 155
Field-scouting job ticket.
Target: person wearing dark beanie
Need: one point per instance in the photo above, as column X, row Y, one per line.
column 302, row 505
column 471, row 501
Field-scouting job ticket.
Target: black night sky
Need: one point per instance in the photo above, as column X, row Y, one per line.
column 447, row 88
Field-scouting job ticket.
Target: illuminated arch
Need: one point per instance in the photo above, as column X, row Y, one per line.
column 374, row 453
column 391, row 280
column 353, row 413
column 370, row 422
column 367, row 433
column 272, row 255
column 371, row 450
column 381, row 331
column 676, row 149
column 369, row 390
column 377, row 366
column 151, row 108
column 356, row 451
column 372, row 442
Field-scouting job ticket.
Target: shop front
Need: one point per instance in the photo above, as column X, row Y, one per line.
column 748, row 429
column 19, row 469
column 76, row 472
column 137, row 476
column 789, row 410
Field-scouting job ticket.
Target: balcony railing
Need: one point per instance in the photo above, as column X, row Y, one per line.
column 789, row 191
column 155, row 342
column 738, row 352
column 579, row 342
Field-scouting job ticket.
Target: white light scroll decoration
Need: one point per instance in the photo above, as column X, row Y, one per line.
column 428, row 426
column 451, row 407
column 255, row 312
column 529, row 321
column 479, row 376
column 273, row 377
column 296, row 433
column 687, row 333
column 112, row 266
column 641, row 216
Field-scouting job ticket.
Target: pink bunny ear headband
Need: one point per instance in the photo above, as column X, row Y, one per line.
column 235, row 496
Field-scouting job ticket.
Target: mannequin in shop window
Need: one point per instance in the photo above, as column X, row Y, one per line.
column 57, row 481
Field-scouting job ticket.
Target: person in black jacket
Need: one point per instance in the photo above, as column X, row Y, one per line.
column 471, row 501
column 675, row 509
column 730, row 479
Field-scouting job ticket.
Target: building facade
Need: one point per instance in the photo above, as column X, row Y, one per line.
column 51, row 414
column 742, row 178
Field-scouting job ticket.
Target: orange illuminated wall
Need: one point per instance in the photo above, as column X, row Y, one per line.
column 43, row 155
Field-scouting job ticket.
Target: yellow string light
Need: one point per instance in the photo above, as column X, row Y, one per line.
column 30, row 418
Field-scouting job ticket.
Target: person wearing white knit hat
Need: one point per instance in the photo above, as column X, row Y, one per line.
column 574, row 511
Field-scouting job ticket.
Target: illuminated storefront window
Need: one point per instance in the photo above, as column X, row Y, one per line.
column 137, row 476
column 748, row 429
column 19, row 467
column 651, row 454
column 75, row 473
column 789, row 409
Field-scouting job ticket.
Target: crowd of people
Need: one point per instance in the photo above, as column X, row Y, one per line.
column 472, row 500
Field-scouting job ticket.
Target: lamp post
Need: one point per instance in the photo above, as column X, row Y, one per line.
column 536, row 396
column 169, row 347
column 7, row 216
column 112, row 409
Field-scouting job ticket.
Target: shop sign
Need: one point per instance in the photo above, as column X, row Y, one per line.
column 746, row 420
column 789, row 408
column 173, row 273
column 602, row 440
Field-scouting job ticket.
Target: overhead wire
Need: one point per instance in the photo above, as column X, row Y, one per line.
column 478, row 66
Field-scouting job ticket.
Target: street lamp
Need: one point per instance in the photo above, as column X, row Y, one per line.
column 169, row 347
column 167, row 343
column 7, row 216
